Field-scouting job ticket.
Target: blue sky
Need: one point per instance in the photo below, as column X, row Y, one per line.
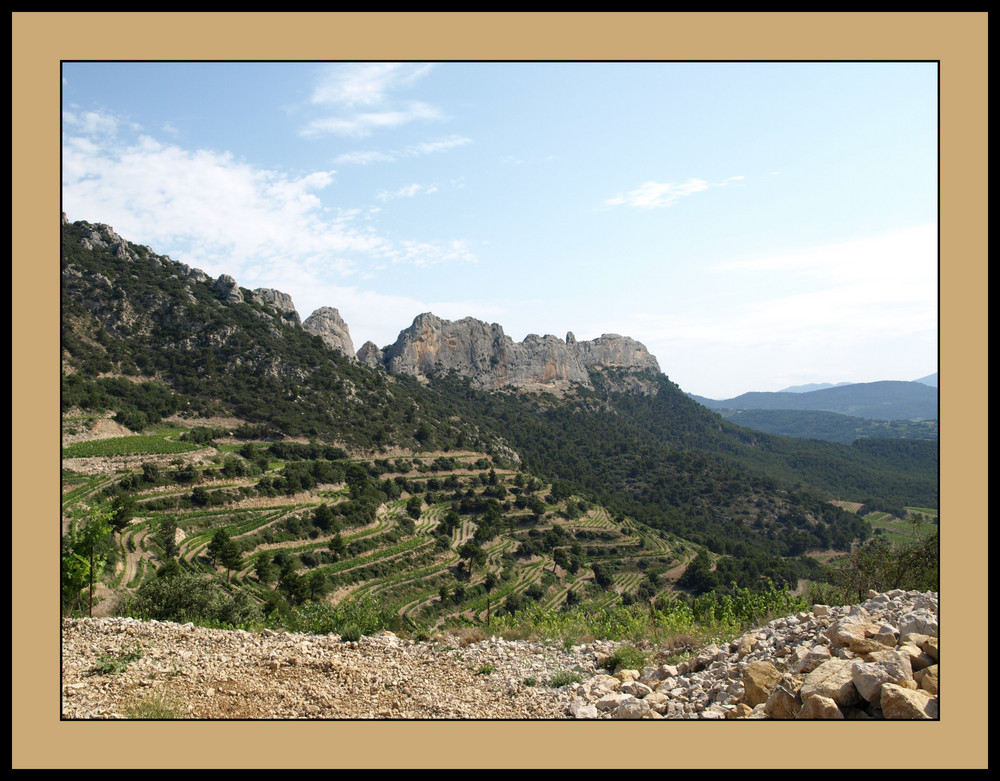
column 755, row 225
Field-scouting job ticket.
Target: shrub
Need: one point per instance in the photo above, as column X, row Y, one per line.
column 187, row 597
column 627, row 657
column 564, row 678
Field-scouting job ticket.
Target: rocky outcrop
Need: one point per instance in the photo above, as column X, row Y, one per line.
column 431, row 346
column 226, row 287
column 612, row 351
column 104, row 236
column 492, row 360
column 280, row 301
column 328, row 325
column 876, row 660
column 370, row 355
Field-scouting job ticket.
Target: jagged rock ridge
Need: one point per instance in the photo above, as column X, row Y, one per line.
column 492, row 360
column 433, row 346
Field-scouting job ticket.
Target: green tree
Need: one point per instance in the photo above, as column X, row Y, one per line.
column 264, row 570
column 150, row 472
column 602, row 577
column 231, row 557
column 167, row 537
column 473, row 553
column 215, row 547
column 323, row 517
column 122, row 511
column 318, row 585
column 169, row 569
column 337, row 546
column 880, row 566
column 82, row 560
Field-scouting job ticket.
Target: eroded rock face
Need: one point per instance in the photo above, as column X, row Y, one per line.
column 492, row 360
column 328, row 325
column 280, row 301
column 226, row 286
column 370, row 355
column 614, row 351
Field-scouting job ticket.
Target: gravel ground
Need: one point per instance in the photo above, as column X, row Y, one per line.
column 183, row 671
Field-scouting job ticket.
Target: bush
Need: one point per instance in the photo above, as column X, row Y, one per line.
column 564, row 678
column 878, row 565
column 627, row 657
column 187, row 597
column 351, row 618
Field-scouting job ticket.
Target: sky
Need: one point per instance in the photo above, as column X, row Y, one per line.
column 757, row 225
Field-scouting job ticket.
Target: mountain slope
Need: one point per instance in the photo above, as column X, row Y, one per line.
column 150, row 338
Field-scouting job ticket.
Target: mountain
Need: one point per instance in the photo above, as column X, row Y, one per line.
column 930, row 379
column 812, row 387
column 888, row 400
column 151, row 339
column 328, row 325
column 491, row 360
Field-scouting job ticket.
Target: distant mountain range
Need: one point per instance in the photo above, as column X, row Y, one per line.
column 887, row 400
column 839, row 413
column 930, row 379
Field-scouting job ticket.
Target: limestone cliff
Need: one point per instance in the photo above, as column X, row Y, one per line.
column 328, row 325
column 370, row 355
column 280, row 301
column 492, row 360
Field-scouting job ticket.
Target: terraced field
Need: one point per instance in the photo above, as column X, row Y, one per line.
column 435, row 538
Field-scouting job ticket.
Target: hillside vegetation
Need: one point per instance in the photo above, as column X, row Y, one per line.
column 271, row 478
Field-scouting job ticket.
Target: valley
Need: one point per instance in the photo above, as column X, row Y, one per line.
column 264, row 474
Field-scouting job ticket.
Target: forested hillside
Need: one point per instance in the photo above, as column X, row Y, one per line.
column 666, row 485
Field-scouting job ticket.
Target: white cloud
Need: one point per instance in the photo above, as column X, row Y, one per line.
column 361, row 96
column 654, row 195
column 409, row 191
column 658, row 195
column 95, row 123
column 215, row 212
column 860, row 311
column 896, row 264
column 365, row 84
column 365, row 157
column 359, row 125
column 415, row 150
column 428, row 253
column 225, row 207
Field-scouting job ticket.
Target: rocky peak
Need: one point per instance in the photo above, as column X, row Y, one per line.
column 102, row 235
column 370, row 355
column 281, row 301
column 226, row 286
column 328, row 325
column 492, row 360
column 614, row 351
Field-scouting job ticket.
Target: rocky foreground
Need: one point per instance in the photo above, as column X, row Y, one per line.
column 877, row 660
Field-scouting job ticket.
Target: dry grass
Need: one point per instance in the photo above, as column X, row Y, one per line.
column 154, row 704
